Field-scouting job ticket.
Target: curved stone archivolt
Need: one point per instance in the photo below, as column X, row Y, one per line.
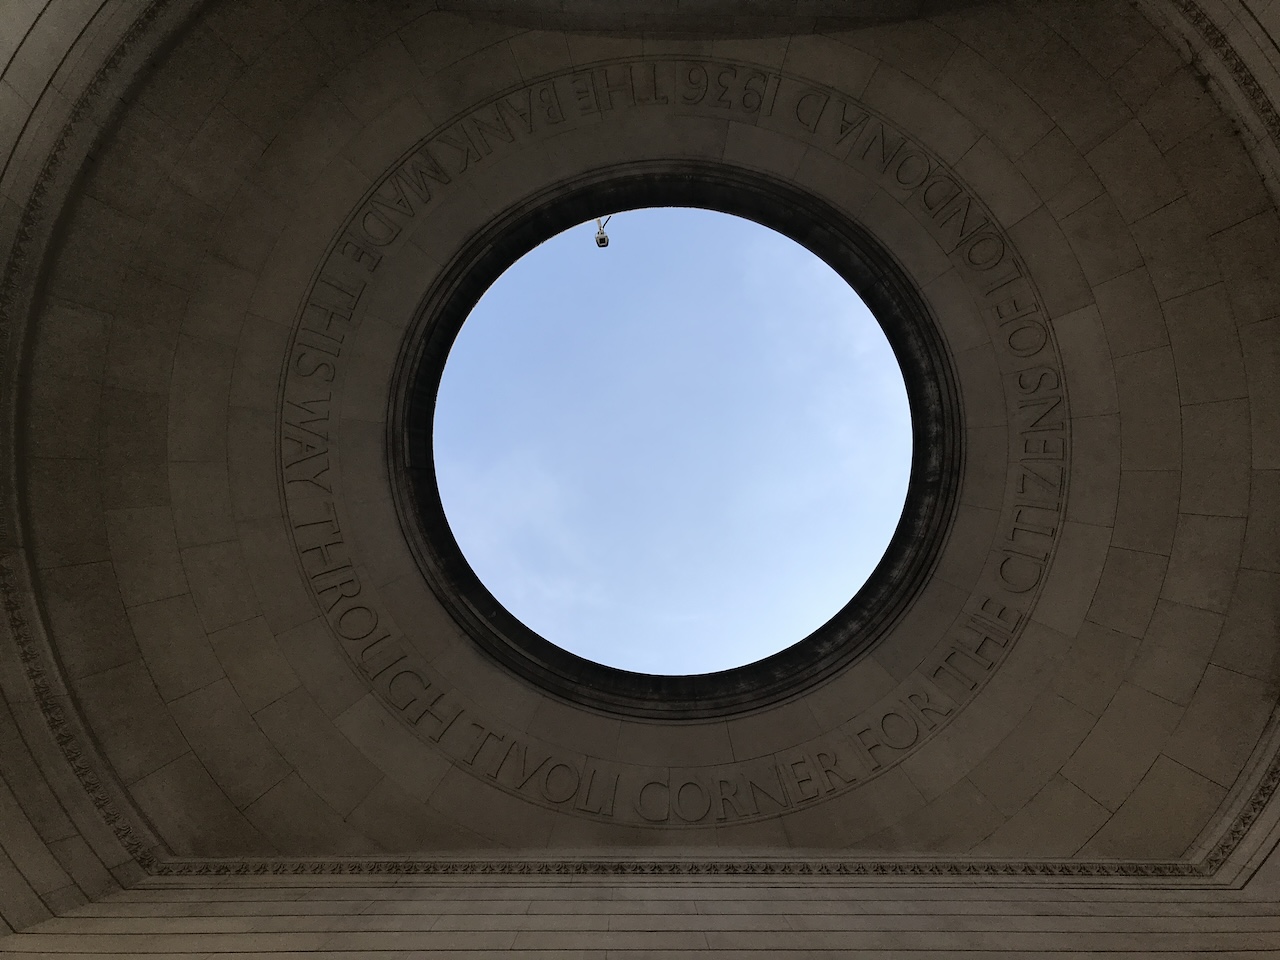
column 223, row 225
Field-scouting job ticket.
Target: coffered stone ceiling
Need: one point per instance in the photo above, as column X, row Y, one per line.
column 232, row 231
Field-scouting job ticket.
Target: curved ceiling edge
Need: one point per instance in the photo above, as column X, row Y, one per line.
column 52, row 160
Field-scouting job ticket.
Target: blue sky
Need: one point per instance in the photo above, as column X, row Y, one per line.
column 675, row 455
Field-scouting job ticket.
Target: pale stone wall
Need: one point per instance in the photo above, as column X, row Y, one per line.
column 1129, row 723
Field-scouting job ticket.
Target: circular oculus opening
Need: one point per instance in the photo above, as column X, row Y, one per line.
column 677, row 454
column 512, row 637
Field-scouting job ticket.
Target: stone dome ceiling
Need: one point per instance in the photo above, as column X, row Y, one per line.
column 233, row 231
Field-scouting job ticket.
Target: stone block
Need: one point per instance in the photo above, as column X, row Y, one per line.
column 219, row 584
column 130, row 721
column 1175, row 651
column 1056, row 822
column 1122, row 745
column 253, row 662
column 1248, row 641
column 321, row 755
column 1135, row 175
column 1127, row 591
column 1131, row 313
column 297, row 822
column 1215, row 458
column 1202, row 567
column 1172, row 240
column 87, row 615
column 228, row 743
column 1206, row 351
column 144, row 552
column 1161, row 818
column 174, row 646
column 1029, row 757
column 1095, row 470
column 1222, row 723
column 1261, row 345
column 194, row 816
column 1150, row 423
column 1101, row 240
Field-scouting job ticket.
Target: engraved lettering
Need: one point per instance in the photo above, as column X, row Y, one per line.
column 460, row 142
column 985, row 251
column 482, row 741
column 604, row 799
column 721, row 99
column 1020, row 573
column 960, row 221
column 653, row 801
column 898, row 730
column 1043, row 446
column 938, row 193
column 584, row 93
column 775, row 792
column 828, row 764
column 307, row 365
column 693, row 84
column 647, row 93
column 486, row 130
column 351, row 248
column 378, row 228
column 922, row 703
column 754, row 88
column 809, row 109
column 608, row 86
column 995, row 612
column 913, row 169
column 356, row 623
column 880, row 136
column 1019, row 329
column 567, row 786
column 548, row 99
column 727, row 797
column 800, row 777
column 1026, row 338
column 414, row 173
column 691, row 801
column 851, row 123
column 513, row 107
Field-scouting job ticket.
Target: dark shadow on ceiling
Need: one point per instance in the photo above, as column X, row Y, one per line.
column 697, row 19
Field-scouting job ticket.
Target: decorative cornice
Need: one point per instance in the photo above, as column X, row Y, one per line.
column 818, row 868
column 33, row 214
column 84, row 765
column 1232, row 837
column 39, row 664
column 1225, row 51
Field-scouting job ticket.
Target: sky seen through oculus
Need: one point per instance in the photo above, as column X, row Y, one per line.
column 676, row 455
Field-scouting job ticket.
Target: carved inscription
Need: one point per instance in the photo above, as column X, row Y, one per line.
column 880, row 734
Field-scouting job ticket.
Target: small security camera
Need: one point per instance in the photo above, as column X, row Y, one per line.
column 602, row 239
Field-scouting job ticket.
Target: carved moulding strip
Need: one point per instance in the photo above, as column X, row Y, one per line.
column 62, row 725
column 155, row 25
column 1250, row 803
column 1225, row 51
column 913, row 871
column 1235, row 86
